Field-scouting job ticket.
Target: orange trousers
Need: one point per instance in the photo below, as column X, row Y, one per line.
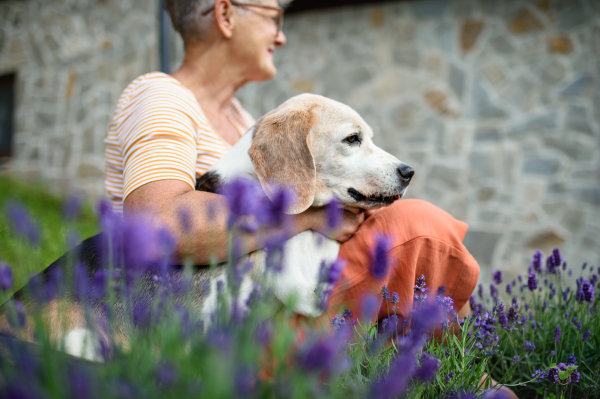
column 426, row 241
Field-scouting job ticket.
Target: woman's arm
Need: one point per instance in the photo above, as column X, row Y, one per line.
column 208, row 235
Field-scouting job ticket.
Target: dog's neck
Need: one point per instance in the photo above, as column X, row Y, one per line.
column 236, row 163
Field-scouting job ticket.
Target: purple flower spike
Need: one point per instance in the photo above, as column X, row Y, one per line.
column 245, row 382
column 536, row 262
column 369, row 307
column 22, row 225
column 588, row 291
column 516, row 359
column 574, row 377
column 586, row 335
column 6, row 277
column 317, row 356
column 528, row 346
column 497, row 275
column 420, row 289
column 166, row 374
column 532, row 282
column 385, row 293
column 554, row 261
column 395, row 298
column 429, row 368
column 557, row 333
column 508, row 289
column 494, row 292
column 335, row 271
column 334, row 214
column 380, row 260
column 72, row 207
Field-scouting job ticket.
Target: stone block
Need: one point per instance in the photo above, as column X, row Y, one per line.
column 482, row 245
column 456, row 79
column 589, row 195
column 469, row 33
column 574, row 149
column 520, row 93
column 481, row 104
column 438, row 100
column 545, row 240
column 524, row 21
column 90, row 170
column 490, row 216
column 429, row 8
column 502, row 45
column 541, row 166
column 407, row 56
column 487, row 134
column 450, row 175
column 486, row 193
column 560, row 44
column 494, row 74
column 577, row 87
column 535, row 124
column 552, row 72
column 573, row 17
column 481, row 165
column 577, row 119
column 573, row 219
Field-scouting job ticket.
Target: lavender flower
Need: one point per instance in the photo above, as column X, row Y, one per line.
column 532, row 282
column 185, row 219
column 494, row 292
column 369, row 306
column 447, row 353
column 574, row 377
column 6, row 277
column 380, row 261
column 21, row 223
column 338, row 322
column 579, row 325
column 332, row 274
column 516, row 359
column 586, row 335
column 385, row 293
column 557, row 332
column 536, row 262
column 317, row 356
column 497, row 275
column 429, row 368
column 554, row 261
column 552, row 353
column 480, row 291
column 394, row 384
column 528, row 346
column 245, row 382
column 255, row 296
column 334, row 214
column 71, row 209
column 588, row 291
column 571, row 359
column 166, row 374
column 395, row 298
column 441, row 290
column 420, row 289
column 449, row 376
column 508, row 289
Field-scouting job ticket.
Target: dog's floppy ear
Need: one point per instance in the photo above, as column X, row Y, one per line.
column 282, row 155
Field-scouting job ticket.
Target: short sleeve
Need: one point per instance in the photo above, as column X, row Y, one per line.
column 157, row 136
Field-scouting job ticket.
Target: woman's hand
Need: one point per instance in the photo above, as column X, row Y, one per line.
column 348, row 225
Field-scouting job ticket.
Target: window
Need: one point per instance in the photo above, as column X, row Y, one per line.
column 7, row 106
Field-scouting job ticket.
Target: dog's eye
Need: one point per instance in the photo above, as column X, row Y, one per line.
column 352, row 140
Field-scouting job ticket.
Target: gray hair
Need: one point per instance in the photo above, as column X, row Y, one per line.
column 186, row 18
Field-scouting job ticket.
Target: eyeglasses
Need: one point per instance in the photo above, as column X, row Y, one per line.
column 278, row 20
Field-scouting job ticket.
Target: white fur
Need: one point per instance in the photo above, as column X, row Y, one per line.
column 82, row 343
column 366, row 168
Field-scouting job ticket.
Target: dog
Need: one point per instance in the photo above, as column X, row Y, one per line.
column 318, row 149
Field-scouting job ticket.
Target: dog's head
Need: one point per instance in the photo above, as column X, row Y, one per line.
column 321, row 149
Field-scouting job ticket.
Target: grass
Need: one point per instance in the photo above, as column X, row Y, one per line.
column 46, row 210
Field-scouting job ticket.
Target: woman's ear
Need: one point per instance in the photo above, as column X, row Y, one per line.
column 224, row 17
column 281, row 153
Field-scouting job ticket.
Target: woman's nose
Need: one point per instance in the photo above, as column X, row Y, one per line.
column 280, row 39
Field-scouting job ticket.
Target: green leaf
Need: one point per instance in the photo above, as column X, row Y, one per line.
column 540, row 391
column 552, row 366
column 551, row 395
column 563, row 375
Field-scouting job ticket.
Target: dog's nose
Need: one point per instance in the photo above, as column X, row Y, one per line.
column 406, row 172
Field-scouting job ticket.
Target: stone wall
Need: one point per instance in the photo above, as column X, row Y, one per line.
column 495, row 103
column 73, row 58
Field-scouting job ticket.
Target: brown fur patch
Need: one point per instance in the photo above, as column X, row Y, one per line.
column 281, row 153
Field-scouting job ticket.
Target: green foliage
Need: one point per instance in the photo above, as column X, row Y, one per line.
column 45, row 209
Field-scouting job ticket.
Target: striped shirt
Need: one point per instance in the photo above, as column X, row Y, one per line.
column 159, row 132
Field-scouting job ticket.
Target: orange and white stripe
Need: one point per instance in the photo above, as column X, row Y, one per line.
column 159, row 132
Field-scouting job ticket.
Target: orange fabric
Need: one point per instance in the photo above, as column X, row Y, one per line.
column 426, row 240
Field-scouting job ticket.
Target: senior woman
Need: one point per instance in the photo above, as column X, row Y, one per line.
column 168, row 130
